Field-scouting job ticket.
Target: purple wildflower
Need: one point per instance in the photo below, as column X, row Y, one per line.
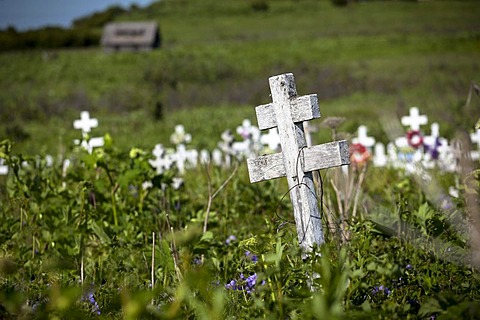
column 252, row 257
column 252, row 280
column 91, row 299
column 246, row 284
column 381, row 288
column 433, row 149
column 230, row 239
column 231, row 285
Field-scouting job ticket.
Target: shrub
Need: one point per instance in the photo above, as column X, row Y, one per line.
column 259, row 5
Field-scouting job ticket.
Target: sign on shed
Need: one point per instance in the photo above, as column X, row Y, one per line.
column 130, row 36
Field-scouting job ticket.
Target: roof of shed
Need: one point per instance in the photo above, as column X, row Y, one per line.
column 129, row 33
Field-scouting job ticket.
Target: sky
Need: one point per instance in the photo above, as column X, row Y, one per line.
column 32, row 14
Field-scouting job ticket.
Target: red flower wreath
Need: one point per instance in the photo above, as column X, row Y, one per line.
column 358, row 153
column 414, row 138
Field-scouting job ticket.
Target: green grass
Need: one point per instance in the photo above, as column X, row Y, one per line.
column 368, row 62
column 363, row 60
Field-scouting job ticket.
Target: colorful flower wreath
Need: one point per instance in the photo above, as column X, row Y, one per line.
column 414, row 138
column 358, row 153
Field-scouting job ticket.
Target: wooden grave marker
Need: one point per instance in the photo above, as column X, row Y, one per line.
column 287, row 112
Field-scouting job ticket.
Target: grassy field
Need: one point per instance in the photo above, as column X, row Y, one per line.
column 91, row 240
column 362, row 60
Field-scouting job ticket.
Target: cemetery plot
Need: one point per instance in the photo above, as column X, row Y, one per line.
column 112, row 207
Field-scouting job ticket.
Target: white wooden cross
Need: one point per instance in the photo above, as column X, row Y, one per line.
column 180, row 136
column 271, row 140
column 363, row 138
column 161, row 162
column 204, row 156
column 414, row 120
column 3, row 168
column 380, row 158
column 287, row 112
column 182, row 156
column 247, row 131
column 92, row 143
column 217, row 157
column 85, row 123
column 431, row 140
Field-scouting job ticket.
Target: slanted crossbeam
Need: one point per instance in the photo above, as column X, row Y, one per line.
column 287, row 112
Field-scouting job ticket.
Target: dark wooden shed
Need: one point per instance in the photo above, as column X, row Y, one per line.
column 130, row 36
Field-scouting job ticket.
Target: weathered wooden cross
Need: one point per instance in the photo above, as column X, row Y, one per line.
column 287, row 112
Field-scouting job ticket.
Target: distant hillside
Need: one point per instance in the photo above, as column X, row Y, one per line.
column 86, row 32
column 361, row 59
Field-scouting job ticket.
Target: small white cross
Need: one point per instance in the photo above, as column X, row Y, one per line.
column 272, row 139
column 180, row 136
column 241, row 149
column 247, row 131
column 182, row 156
column 3, row 169
column 161, row 161
column 85, row 123
column 204, row 157
column 217, row 157
column 363, row 139
column 48, row 160
column 475, row 137
column 435, row 142
column 434, row 134
column 92, row 143
column 379, row 158
column 414, row 120
column 401, row 142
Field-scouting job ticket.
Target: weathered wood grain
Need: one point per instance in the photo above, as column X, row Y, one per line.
column 328, row 155
column 302, row 108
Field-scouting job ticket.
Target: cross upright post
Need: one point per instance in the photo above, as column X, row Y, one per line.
column 287, row 112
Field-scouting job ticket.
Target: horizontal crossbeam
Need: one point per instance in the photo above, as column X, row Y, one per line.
column 303, row 108
column 327, row 155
